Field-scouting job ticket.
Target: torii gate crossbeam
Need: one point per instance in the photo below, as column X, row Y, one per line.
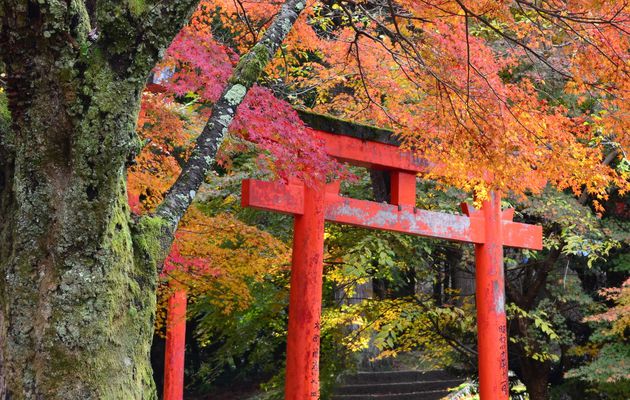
column 275, row 196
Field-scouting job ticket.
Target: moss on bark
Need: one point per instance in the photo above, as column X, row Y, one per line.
column 251, row 66
column 151, row 237
column 80, row 303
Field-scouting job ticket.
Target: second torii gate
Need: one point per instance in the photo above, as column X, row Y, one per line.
column 489, row 229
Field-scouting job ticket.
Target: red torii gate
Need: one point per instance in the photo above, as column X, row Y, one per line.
column 489, row 229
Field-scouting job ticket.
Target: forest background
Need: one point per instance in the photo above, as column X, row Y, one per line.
column 524, row 97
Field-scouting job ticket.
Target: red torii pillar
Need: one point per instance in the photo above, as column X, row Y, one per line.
column 490, row 298
column 302, row 369
column 489, row 229
column 175, row 346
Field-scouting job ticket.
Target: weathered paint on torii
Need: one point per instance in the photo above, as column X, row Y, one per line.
column 489, row 229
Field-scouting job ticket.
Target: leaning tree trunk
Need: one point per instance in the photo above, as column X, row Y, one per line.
column 247, row 71
column 77, row 288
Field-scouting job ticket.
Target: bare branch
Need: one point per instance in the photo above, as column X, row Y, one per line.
column 239, row 4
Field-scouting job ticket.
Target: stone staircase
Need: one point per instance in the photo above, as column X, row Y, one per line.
column 397, row 385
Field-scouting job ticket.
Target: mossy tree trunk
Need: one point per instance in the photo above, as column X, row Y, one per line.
column 77, row 292
column 77, row 295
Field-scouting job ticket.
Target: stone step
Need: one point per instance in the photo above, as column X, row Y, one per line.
column 397, row 387
column 428, row 395
column 396, row 376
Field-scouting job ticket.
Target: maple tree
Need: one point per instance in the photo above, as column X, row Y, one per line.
column 219, row 257
column 608, row 349
column 457, row 81
column 216, row 255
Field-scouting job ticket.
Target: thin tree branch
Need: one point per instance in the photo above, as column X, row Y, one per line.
column 513, row 40
column 468, row 63
column 239, row 4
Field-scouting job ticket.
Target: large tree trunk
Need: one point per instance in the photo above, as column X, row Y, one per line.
column 77, row 310
column 533, row 373
column 77, row 292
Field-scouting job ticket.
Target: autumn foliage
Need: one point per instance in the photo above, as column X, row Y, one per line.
column 463, row 83
column 495, row 95
column 468, row 83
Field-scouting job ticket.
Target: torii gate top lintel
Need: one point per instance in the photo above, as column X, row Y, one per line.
column 339, row 127
column 363, row 145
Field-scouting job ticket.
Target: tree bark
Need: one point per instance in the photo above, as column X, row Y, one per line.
column 6, row 174
column 536, row 378
column 77, row 290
